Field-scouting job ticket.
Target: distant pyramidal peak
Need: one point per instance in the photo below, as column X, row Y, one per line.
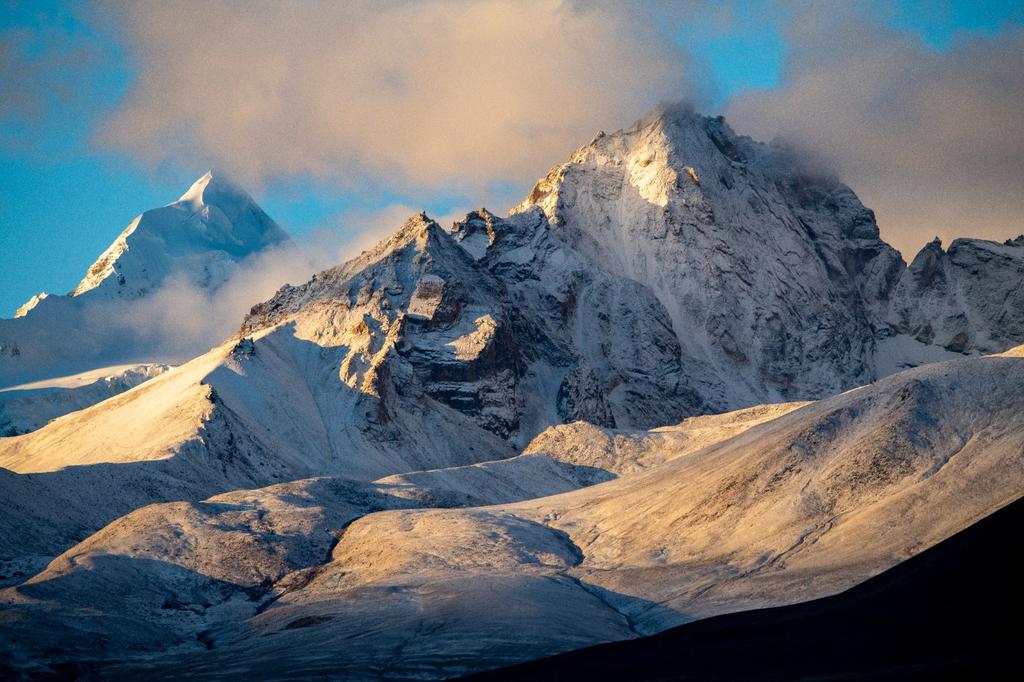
column 214, row 224
column 200, row 239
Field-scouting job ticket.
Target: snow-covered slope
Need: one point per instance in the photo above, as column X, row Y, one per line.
column 942, row 614
column 792, row 508
column 27, row 407
column 774, row 277
column 198, row 240
column 803, row 506
column 571, row 456
column 238, row 552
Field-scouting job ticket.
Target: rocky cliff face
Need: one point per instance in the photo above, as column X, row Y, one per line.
column 775, row 278
column 499, row 320
column 966, row 299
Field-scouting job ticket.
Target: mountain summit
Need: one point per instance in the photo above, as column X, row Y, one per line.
column 202, row 235
column 199, row 240
column 773, row 272
column 774, row 276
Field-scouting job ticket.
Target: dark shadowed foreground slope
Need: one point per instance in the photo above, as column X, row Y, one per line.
column 948, row 613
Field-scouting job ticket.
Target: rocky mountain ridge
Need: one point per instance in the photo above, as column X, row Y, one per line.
column 499, row 319
column 967, row 298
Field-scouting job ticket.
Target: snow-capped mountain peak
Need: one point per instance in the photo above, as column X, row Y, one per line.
column 194, row 194
column 213, row 225
column 197, row 242
column 773, row 277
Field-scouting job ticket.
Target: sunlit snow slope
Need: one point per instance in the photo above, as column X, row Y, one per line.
column 793, row 508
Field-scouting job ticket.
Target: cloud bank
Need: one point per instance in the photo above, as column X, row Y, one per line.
column 933, row 141
column 466, row 94
column 430, row 93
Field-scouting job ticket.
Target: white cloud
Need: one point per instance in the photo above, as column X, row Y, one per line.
column 430, row 93
column 933, row 141
column 463, row 95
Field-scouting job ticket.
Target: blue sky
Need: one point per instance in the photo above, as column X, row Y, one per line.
column 64, row 196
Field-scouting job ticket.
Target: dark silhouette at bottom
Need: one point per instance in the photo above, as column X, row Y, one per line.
column 952, row 612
